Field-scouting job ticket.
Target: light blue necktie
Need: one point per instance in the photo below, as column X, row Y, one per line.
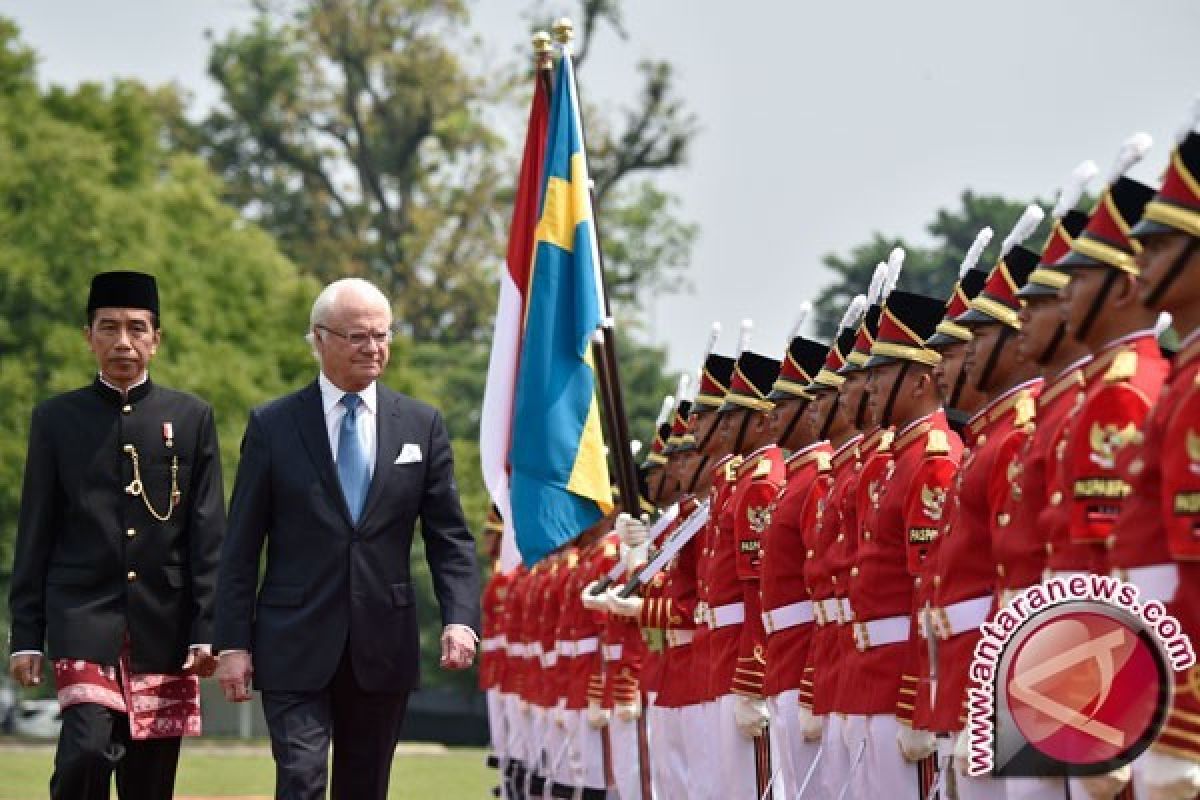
column 353, row 472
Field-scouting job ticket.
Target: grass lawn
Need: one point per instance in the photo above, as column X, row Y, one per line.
column 210, row 771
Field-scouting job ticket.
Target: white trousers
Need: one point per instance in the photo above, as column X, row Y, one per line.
column 658, row 737
column 583, row 761
column 735, row 772
column 791, row 756
column 626, row 766
column 692, row 769
column 833, row 768
column 881, row 771
column 497, row 708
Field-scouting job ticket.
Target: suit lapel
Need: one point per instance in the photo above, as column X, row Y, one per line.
column 389, row 434
column 310, row 419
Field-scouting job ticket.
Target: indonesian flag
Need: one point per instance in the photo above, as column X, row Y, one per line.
column 495, row 425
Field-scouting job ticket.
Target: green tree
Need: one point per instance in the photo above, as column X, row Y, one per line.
column 928, row 269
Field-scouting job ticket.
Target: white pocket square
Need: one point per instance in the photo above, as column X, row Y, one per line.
column 409, row 454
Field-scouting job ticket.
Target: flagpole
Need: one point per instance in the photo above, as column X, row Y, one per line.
column 604, row 350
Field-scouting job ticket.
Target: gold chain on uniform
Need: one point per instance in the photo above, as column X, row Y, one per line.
column 136, row 487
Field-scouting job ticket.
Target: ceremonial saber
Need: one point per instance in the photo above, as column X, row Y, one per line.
column 681, row 537
column 862, row 747
column 812, row 770
column 763, row 774
column 618, row 569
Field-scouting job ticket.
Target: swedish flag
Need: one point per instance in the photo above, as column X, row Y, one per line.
column 560, row 484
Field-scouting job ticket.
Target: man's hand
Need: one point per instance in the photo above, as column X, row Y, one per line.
column 811, row 725
column 628, row 712
column 1169, row 777
column 233, row 673
column 26, row 669
column 593, row 602
column 633, row 532
column 458, row 647
column 597, row 715
column 200, row 661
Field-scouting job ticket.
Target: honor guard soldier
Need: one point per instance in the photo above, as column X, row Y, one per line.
column 787, row 613
column 492, row 646
column 731, row 572
column 121, row 520
column 832, row 516
column 963, row 577
column 1020, row 553
column 1102, row 309
column 1157, row 537
column 901, row 520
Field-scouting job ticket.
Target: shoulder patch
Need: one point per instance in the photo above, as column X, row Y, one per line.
column 937, row 444
column 1123, row 367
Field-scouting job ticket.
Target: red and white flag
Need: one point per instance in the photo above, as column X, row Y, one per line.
column 495, row 425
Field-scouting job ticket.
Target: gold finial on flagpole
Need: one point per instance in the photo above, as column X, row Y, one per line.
column 564, row 30
column 543, row 50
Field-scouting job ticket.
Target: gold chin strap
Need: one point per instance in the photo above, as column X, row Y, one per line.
column 136, row 487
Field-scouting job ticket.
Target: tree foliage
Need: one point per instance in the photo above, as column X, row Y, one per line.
column 930, row 269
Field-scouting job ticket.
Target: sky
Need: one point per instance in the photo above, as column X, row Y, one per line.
column 820, row 122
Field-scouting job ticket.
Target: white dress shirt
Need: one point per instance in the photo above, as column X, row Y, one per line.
column 331, row 402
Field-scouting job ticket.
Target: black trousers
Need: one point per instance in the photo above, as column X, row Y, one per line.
column 94, row 743
column 362, row 726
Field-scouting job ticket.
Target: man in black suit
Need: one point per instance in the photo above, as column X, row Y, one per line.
column 122, row 513
column 332, row 480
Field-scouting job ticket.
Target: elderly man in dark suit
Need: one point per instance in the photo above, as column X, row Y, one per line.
column 332, row 480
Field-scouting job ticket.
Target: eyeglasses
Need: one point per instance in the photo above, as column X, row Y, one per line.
column 359, row 339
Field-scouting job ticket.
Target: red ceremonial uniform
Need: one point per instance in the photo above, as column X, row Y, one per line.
column 963, row 580
column 719, row 592
column 833, row 517
column 673, row 611
column 901, row 521
column 1156, row 542
column 492, row 657
column 512, row 681
column 787, row 608
column 579, row 637
column 1121, row 383
column 1020, row 549
column 760, row 478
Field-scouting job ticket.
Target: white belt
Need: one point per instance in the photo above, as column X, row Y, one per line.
column 578, row 647
column 549, row 659
column 492, row 643
column 956, row 618
column 677, row 637
column 835, row 610
column 878, row 632
column 533, row 650
column 789, row 616
column 728, row 614
column 516, row 649
column 612, row 652
column 1155, row 582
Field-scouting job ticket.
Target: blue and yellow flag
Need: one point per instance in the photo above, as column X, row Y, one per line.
column 560, row 484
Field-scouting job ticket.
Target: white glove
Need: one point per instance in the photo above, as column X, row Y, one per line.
column 628, row 712
column 633, row 532
column 559, row 713
column 1169, row 777
column 751, row 715
column 634, row 558
column 1106, row 786
column 597, row 715
column 524, row 706
column 593, row 602
column 915, row 744
column 811, row 725
column 624, row 606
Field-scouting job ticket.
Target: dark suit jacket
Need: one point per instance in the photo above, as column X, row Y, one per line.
column 328, row 583
column 91, row 563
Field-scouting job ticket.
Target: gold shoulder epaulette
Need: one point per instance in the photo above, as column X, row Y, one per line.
column 1025, row 410
column 572, row 559
column 1123, row 367
column 937, row 444
column 763, row 468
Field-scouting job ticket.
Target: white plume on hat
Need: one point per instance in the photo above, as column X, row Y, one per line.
column 1132, row 151
column 664, row 413
column 1068, row 196
column 895, row 263
column 854, row 313
column 1026, row 225
column 745, row 336
column 875, row 289
column 801, row 317
column 982, row 239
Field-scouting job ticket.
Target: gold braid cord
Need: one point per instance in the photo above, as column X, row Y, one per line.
column 136, row 487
